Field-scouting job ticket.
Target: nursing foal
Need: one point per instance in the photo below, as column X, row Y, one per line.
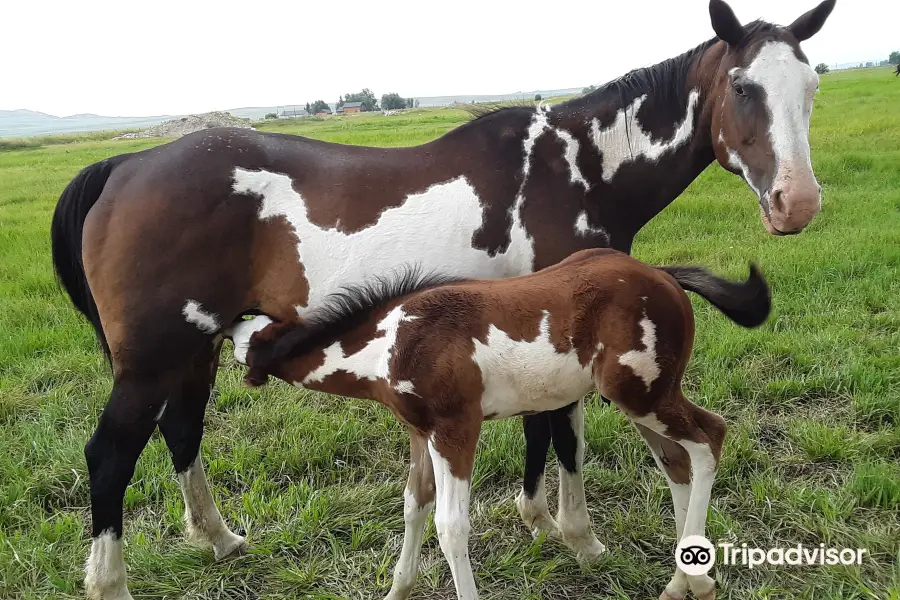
column 446, row 356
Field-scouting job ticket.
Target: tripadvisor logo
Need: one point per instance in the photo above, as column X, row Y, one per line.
column 695, row 555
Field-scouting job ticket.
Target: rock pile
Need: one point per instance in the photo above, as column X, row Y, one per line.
column 190, row 124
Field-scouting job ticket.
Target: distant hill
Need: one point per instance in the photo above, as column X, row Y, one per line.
column 27, row 123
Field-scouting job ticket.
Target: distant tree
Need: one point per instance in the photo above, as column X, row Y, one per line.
column 369, row 102
column 340, row 102
column 894, row 58
column 392, row 101
column 319, row 106
column 417, row 103
column 308, row 109
column 537, row 97
column 822, row 68
column 870, row 64
column 271, row 116
column 410, row 103
column 588, row 89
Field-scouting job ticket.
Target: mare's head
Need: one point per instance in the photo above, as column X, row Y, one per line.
column 762, row 102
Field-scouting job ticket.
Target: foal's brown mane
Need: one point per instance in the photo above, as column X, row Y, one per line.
column 342, row 312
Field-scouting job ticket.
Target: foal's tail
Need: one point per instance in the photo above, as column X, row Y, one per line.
column 65, row 234
column 746, row 303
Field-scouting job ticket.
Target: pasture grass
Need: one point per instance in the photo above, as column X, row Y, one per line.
column 812, row 399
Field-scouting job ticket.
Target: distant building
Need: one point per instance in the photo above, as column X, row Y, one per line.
column 350, row 107
column 293, row 112
column 324, row 113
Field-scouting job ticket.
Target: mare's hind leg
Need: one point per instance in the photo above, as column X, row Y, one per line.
column 125, row 426
column 532, row 499
column 181, row 424
column 675, row 465
column 701, row 433
column 418, row 500
column 567, row 426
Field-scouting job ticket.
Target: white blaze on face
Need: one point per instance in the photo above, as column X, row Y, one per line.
column 433, row 228
column 373, row 361
column 624, row 140
column 523, row 376
column 643, row 362
column 790, row 85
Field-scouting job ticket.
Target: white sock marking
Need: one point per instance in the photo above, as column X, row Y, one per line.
column 203, row 522
column 206, row 322
column 105, row 577
column 451, row 519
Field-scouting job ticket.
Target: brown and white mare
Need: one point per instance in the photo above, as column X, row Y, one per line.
column 165, row 248
column 446, row 358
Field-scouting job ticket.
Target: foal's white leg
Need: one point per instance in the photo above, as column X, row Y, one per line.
column 572, row 516
column 703, row 467
column 677, row 587
column 204, row 524
column 418, row 502
column 451, row 519
column 105, row 569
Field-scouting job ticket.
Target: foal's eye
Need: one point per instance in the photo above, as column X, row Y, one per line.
column 739, row 89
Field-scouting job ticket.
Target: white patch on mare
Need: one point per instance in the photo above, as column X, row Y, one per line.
column 405, row 387
column 372, row 361
column 206, row 322
column 624, row 140
column 435, row 227
column 522, row 376
column 584, row 228
column 571, row 156
column 790, row 86
column 643, row 362
column 105, row 577
column 241, row 332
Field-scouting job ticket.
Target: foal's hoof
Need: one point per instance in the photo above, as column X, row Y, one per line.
column 710, row 595
column 232, row 548
column 667, row 596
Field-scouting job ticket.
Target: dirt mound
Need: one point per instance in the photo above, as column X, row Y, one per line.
column 190, row 124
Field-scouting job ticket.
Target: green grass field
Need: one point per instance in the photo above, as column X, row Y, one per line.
column 812, row 399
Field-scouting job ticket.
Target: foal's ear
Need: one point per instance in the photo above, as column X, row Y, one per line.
column 809, row 24
column 725, row 23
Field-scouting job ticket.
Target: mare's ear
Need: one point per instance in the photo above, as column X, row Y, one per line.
column 725, row 23
column 809, row 24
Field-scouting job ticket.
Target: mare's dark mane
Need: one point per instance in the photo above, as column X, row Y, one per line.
column 665, row 80
column 341, row 312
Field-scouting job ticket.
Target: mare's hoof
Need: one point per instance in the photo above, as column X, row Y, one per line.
column 237, row 546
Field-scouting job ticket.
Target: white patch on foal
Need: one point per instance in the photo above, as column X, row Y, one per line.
column 624, row 140
column 206, row 322
column 790, row 86
column 643, row 362
column 241, row 332
column 451, row 519
column 523, row 376
column 372, row 362
column 435, row 226
column 105, row 569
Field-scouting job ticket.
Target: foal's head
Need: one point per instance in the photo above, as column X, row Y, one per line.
column 762, row 102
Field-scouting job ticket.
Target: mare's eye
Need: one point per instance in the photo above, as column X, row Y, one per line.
column 739, row 89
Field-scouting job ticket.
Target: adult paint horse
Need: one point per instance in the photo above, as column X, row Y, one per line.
column 163, row 249
column 444, row 358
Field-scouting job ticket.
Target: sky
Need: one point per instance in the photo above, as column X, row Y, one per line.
column 120, row 58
